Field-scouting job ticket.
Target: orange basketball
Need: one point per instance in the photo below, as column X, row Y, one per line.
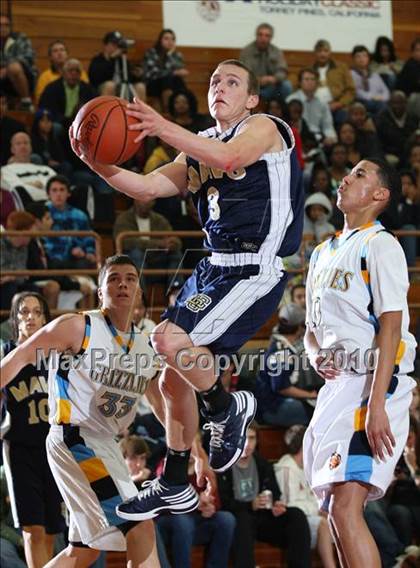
column 101, row 127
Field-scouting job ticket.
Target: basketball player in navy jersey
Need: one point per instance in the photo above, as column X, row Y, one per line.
column 246, row 185
column 35, row 500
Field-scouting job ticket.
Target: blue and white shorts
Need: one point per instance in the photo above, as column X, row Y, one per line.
column 227, row 299
column 335, row 446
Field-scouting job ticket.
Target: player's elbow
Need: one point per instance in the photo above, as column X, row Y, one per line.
column 231, row 159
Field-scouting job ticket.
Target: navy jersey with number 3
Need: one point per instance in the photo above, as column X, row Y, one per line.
column 256, row 209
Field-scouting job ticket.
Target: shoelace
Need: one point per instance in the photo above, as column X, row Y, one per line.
column 216, row 432
column 150, row 488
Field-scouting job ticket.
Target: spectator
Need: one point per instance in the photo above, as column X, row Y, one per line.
column 141, row 316
column 162, row 154
column 367, row 138
column 336, row 86
column 11, row 542
column 268, row 63
column 67, row 252
column 359, row 118
column 409, row 78
column 14, row 256
column 297, row 122
column 318, row 210
column 164, row 68
column 298, row 295
column 281, row 399
column 338, row 164
column 347, row 136
column 27, row 180
column 182, row 107
column 409, row 214
column 278, row 107
column 46, row 144
column 414, row 160
column 297, row 493
column 320, row 180
column 18, row 69
column 7, row 205
column 243, row 491
column 105, row 69
column 404, row 498
column 36, row 502
column 136, row 452
column 385, row 62
column 370, row 89
column 192, row 246
column 395, row 125
column 8, row 127
column 58, row 55
column 316, row 113
column 209, row 526
column 67, row 94
column 383, row 532
column 71, row 291
column 148, row 252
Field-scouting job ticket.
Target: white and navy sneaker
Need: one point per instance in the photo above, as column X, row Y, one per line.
column 158, row 497
column 228, row 430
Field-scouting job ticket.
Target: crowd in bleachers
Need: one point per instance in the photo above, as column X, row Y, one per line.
column 338, row 115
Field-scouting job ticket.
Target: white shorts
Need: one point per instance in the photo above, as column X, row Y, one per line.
column 92, row 477
column 335, row 446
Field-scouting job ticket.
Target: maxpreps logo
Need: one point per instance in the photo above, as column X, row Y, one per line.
column 209, row 10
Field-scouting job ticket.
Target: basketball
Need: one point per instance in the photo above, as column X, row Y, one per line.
column 101, row 127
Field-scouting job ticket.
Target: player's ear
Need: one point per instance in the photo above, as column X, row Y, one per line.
column 381, row 194
column 252, row 102
column 100, row 294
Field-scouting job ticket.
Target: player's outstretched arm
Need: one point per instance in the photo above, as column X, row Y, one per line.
column 378, row 430
column 258, row 136
column 170, row 179
column 64, row 333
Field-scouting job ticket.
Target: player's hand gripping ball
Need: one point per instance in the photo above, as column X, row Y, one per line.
column 101, row 129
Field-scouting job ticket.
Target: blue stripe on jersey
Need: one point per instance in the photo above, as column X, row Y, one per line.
column 62, row 385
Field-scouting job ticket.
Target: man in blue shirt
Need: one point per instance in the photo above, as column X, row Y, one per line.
column 67, row 252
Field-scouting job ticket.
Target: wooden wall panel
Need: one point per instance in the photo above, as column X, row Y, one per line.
column 82, row 25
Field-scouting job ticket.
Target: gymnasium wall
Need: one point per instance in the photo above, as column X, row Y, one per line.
column 82, row 24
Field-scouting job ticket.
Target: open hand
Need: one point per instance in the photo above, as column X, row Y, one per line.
column 378, row 432
column 150, row 122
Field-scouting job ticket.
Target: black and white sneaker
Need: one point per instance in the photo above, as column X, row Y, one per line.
column 158, row 497
column 228, row 430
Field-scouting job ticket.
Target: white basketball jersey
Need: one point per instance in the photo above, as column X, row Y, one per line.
column 100, row 388
column 352, row 280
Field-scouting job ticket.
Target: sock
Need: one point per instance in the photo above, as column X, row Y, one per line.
column 216, row 399
column 175, row 470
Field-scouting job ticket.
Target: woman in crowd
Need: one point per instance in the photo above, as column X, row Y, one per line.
column 164, row 68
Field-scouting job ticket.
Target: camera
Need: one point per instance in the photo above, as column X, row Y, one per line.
column 118, row 39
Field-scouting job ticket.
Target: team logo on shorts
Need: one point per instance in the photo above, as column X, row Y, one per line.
column 335, row 460
column 198, row 303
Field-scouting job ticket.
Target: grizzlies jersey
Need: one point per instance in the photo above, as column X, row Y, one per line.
column 25, row 401
column 256, row 209
column 352, row 280
column 99, row 389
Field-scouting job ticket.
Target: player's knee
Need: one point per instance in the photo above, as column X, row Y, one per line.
column 85, row 554
column 168, row 339
column 340, row 510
